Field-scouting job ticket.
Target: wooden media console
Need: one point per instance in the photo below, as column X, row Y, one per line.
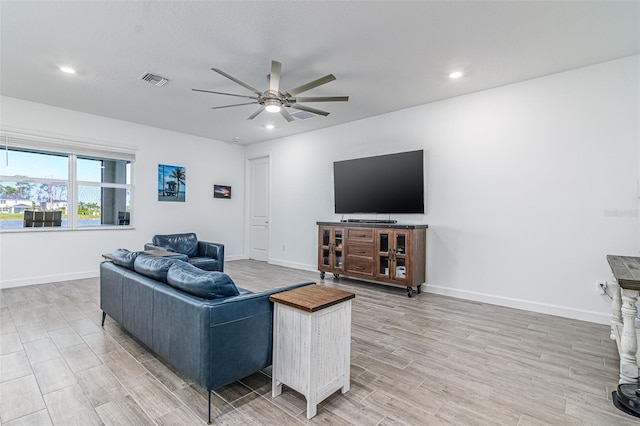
column 388, row 253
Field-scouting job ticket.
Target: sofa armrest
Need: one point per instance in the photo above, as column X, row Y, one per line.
column 212, row 342
column 232, row 308
column 213, row 250
column 241, row 337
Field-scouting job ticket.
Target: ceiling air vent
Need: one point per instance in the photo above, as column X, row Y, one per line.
column 154, row 79
column 302, row 115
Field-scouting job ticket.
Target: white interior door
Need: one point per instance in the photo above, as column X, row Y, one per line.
column 259, row 213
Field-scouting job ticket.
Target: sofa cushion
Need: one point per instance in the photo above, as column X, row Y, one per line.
column 204, row 284
column 125, row 258
column 180, row 243
column 154, row 267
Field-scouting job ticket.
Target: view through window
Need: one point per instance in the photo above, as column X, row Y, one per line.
column 49, row 189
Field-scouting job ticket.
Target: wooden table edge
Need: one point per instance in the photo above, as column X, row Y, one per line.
column 277, row 298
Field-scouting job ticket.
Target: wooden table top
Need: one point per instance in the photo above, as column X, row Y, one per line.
column 626, row 270
column 312, row 298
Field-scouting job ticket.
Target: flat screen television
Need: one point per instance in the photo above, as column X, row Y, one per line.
column 392, row 183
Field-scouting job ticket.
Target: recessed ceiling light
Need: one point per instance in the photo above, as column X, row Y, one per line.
column 270, row 126
column 455, row 74
column 68, row 70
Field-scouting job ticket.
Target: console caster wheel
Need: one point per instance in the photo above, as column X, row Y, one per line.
column 336, row 276
column 420, row 289
column 409, row 292
column 322, row 275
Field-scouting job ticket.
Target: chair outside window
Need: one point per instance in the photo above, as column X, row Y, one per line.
column 124, row 218
column 53, row 218
column 38, row 219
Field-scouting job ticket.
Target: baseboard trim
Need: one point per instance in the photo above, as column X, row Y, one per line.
column 48, row 279
column 294, row 265
column 543, row 308
column 234, row 257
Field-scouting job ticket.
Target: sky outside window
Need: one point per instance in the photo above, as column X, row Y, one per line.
column 51, row 166
column 34, row 165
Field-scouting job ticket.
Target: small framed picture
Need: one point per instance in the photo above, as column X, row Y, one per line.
column 221, row 191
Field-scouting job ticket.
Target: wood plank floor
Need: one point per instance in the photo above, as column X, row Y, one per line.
column 428, row 360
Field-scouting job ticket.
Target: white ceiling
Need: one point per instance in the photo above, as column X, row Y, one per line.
column 386, row 55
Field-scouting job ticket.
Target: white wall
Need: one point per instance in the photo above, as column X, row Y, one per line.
column 528, row 186
column 37, row 257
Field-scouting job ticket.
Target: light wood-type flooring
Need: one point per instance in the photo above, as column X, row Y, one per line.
column 428, row 360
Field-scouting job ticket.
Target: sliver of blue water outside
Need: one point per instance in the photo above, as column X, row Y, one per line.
column 83, row 223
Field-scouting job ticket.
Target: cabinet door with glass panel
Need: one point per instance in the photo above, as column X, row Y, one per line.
column 330, row 250
column 394, row 251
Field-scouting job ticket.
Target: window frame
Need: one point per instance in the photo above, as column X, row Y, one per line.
column 73, row 150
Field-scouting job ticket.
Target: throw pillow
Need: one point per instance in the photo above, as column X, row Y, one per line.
column 155, row 267
column 125, row 258
column 204, row 284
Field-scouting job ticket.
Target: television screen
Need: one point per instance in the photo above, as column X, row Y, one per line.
column 392, row 183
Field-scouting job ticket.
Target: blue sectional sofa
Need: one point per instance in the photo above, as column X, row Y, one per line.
column 197, row 321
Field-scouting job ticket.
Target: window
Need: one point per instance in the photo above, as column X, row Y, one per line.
column 47, row 182
column 104, row 195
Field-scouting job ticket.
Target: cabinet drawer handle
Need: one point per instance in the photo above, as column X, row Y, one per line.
column 360, row 251
column 360, row 268
column 361, row 235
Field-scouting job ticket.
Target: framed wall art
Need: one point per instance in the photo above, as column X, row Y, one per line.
column 172, row 183
column 221, row 191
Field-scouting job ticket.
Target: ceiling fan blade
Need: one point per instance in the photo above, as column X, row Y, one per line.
column 311, row 85
column 309, row 109
column 274, row 77
column 234, row 105
column 222, row 93
column 241, row 83
column 286, row 115
column 322, row 99
column 255, row 114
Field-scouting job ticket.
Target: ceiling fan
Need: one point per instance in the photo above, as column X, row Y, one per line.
column 273, row 100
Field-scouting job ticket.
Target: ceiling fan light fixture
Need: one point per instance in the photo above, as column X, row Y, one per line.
column 271, row 105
